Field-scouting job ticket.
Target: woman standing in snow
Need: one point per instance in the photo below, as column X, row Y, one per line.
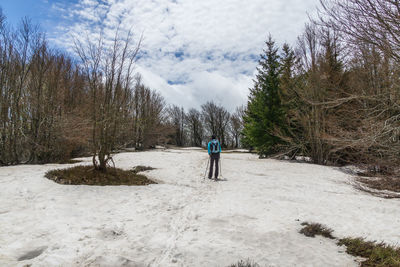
column 214, row 150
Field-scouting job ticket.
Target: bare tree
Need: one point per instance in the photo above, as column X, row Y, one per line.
column 16, row 52
column 236, row 125
column 370, row 28
column 318, row 94
column 7, row 85
column 148, row 114
column 108, row 67
column 195, row 127
column 216, row 121
column 177, row 117
column 374, row 22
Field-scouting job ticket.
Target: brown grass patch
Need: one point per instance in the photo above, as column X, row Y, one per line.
column 313, row 229
column 87, row 175
column 382, row 183
column 378, row 184
column 376, row 254
column 379, row 180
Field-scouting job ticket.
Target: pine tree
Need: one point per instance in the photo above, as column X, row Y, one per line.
column 292, row 131
column 264, row 112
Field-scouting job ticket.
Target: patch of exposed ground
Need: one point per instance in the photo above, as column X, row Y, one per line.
column 87, row 175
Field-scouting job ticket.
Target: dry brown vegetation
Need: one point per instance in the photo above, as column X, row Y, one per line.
column 375, row 254
column 88, row 175
column 380, row 182
column 313, row 229
column 380, row 186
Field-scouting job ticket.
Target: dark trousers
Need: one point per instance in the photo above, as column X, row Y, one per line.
column 214, row 158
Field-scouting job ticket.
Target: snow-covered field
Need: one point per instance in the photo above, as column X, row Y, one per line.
column 183, row 221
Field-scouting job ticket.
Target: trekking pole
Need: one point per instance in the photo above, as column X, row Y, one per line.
column 220, row 166
column 205, row 173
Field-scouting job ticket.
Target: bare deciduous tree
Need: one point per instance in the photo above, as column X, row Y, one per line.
column 216, row 120
column 374, row 22
column 195, row 127
column 177, row 117
column 148, row 117
column 108, row 67
column 236, row 125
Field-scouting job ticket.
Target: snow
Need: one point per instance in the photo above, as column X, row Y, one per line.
column 185, row 221
column 302, row 158
column 192, row 148
column 237, row 150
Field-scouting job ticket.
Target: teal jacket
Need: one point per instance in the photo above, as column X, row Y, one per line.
column 214, row 141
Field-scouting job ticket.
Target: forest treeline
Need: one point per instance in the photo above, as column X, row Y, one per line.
column 53, row 109
column 335, row 96
column 54, row 106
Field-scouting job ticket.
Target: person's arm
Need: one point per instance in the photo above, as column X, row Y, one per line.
column 209, row 150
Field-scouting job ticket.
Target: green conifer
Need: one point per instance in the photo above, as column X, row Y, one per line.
column 264, row 112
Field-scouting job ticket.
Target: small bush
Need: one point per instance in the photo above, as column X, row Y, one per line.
column 87, row 175
column 376, row 254
column 246, row 263
column 313, row 229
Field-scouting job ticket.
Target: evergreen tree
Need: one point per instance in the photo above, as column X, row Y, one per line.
column 292, row 131
column 264, row 112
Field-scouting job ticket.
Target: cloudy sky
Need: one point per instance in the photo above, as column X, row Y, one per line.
column 193, row 50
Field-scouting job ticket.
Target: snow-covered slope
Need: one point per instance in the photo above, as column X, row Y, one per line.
column 183, row 221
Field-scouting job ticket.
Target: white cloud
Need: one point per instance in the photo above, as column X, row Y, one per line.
column 194, row 51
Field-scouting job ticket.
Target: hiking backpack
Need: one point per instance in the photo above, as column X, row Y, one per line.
column 214, row 147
